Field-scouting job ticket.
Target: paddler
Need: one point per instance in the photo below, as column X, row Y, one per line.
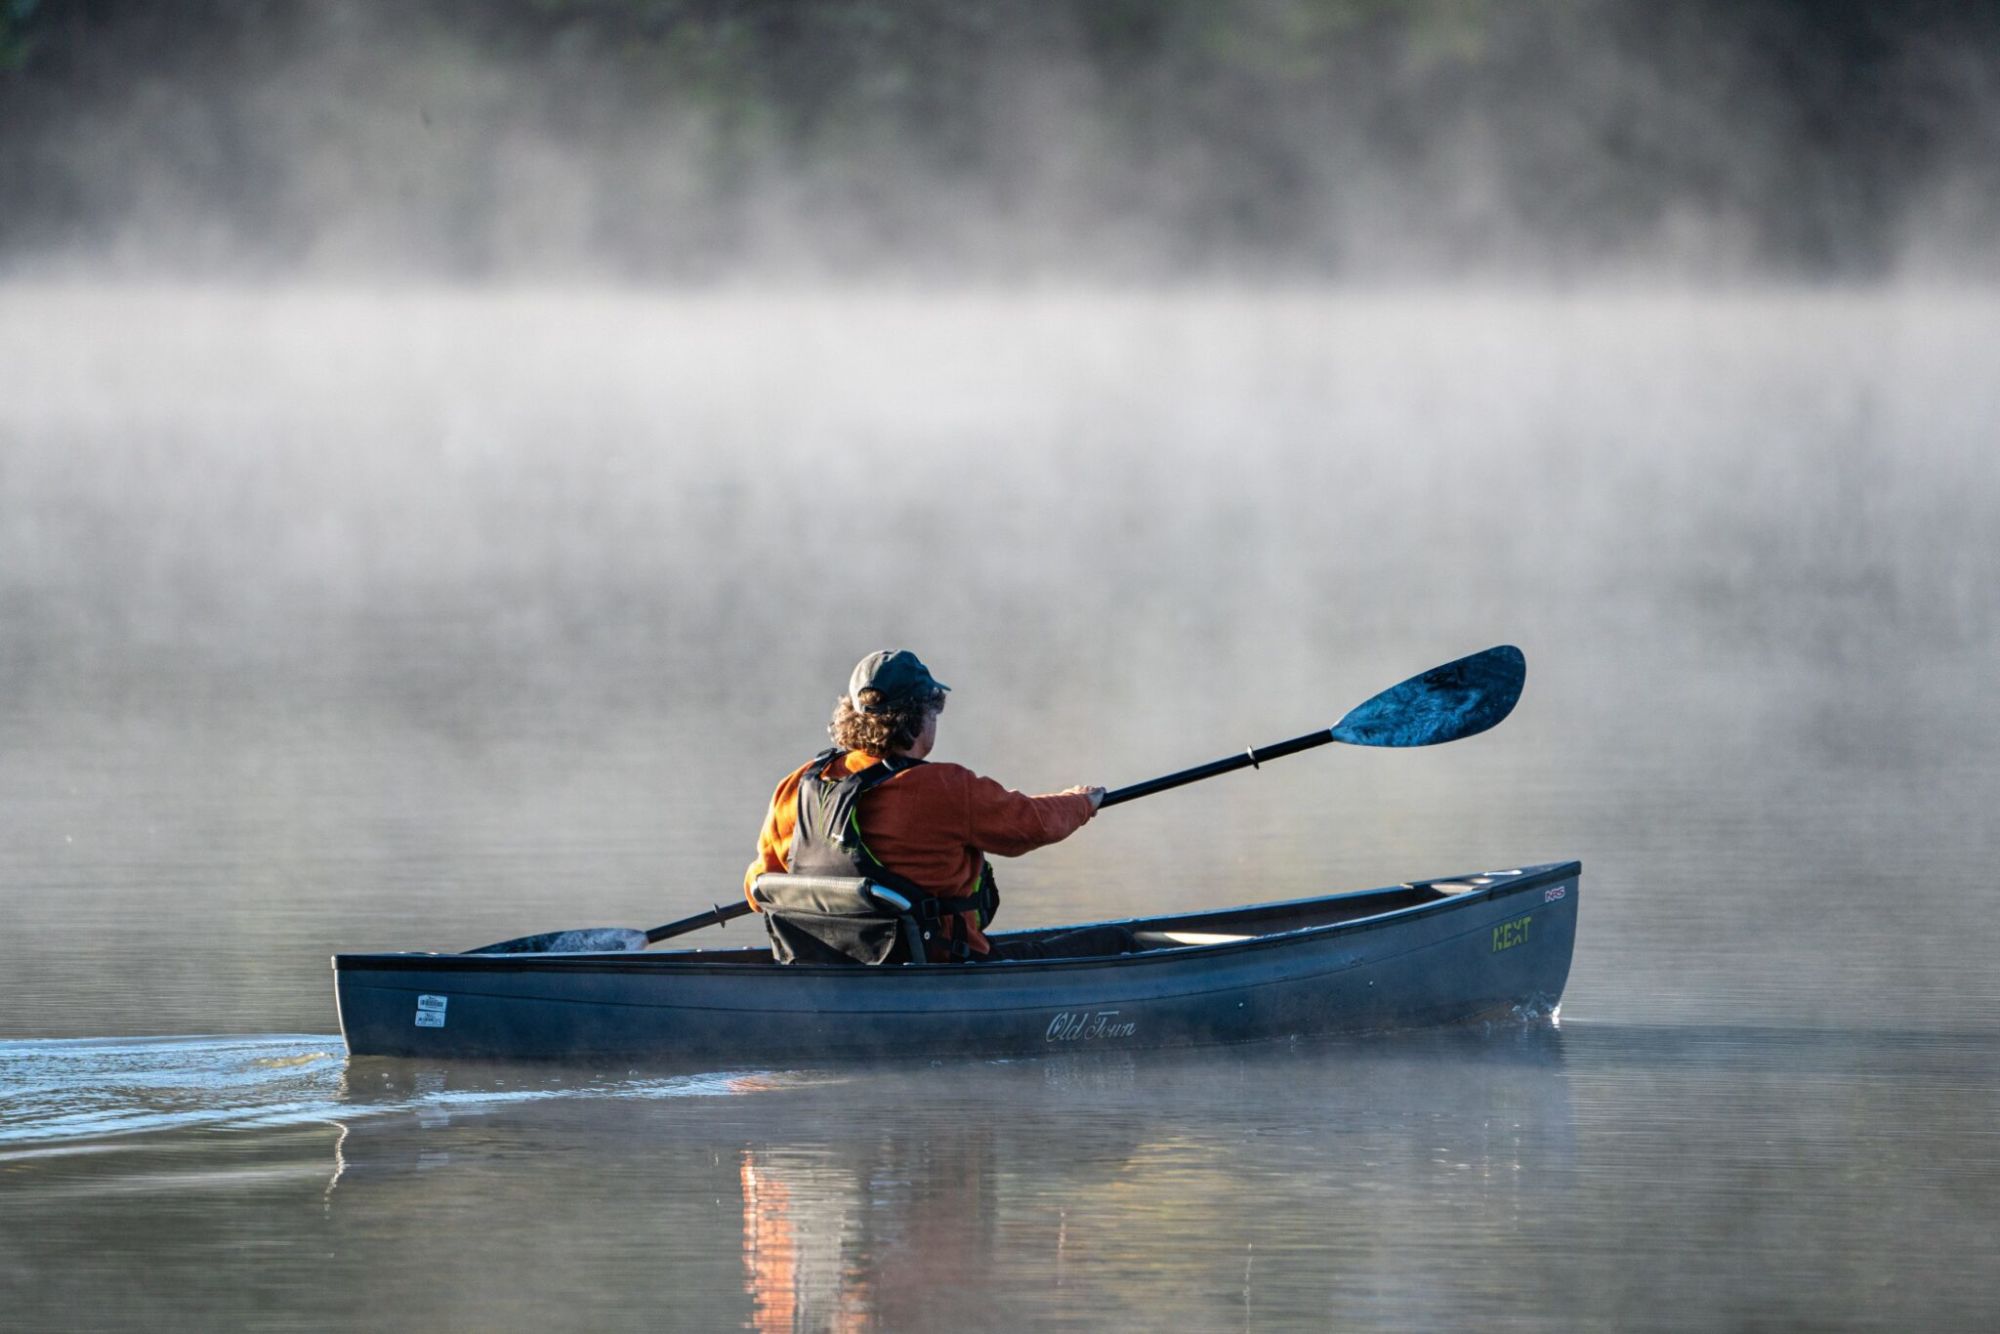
column 925, row 829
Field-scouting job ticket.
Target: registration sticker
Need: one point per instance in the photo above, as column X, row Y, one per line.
column 1551, row 895
column 430, row 1011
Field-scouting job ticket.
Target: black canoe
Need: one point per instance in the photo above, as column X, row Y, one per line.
column 1492, row 945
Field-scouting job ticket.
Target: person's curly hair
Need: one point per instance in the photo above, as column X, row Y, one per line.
column 885, row 730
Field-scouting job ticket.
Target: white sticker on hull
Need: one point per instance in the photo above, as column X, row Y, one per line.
column 430, row 1011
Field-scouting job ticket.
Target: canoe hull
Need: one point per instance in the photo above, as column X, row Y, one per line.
column 1496, row 949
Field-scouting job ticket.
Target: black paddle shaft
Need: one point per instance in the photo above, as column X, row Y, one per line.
column 1249, row 759
column 721, row 912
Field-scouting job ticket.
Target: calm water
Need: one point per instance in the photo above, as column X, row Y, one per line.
column 349, row 621
column 1669, row 1176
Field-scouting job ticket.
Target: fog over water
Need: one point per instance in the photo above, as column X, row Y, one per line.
column 452, row 456
column 489, row 611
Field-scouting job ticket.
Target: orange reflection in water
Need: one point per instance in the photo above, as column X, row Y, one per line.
column 792, row 1260
column 897, row 1230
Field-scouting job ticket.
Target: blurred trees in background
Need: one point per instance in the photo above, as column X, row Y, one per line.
column 688, row 139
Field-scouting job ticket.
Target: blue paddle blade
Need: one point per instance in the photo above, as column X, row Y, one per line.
column 588, row 940
column 1459, row 699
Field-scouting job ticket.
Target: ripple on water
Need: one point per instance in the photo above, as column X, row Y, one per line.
column 73, row 1094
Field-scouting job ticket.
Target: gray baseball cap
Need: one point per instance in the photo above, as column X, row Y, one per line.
column 896, row 674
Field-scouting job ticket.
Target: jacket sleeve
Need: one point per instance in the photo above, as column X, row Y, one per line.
column 1008, row 824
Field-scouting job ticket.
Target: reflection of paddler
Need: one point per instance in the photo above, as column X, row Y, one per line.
column 792, row 1254
column 769, row 1261
column 896, row 1235
column 933, row 1233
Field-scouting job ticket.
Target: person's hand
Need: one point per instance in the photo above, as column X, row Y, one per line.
column 1096, row 794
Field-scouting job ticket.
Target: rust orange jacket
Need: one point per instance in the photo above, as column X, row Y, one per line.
column 932, row 823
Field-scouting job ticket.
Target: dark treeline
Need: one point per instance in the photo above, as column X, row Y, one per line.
column 690, row 138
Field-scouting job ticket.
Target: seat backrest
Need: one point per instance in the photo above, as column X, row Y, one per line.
column 836, row 919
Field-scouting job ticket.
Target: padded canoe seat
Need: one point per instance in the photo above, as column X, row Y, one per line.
column 837, row 919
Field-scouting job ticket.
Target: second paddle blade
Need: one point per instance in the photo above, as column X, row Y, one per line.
column 1459, row 699
column 587, row 940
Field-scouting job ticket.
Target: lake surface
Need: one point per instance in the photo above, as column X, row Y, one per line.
column 346, row 621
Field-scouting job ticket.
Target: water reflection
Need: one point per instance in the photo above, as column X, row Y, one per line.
column 792, row 1252
column 927, row 1194
column 1450, row 1180
column 896, row 1229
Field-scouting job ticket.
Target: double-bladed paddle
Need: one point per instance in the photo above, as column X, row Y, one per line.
column 1448, row 703
column 610, row 939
